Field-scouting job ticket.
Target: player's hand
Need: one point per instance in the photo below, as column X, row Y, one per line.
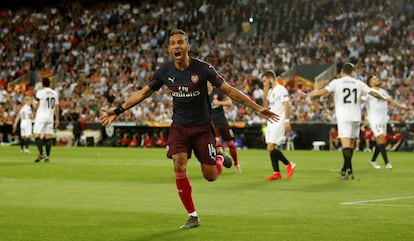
column 265, row 113
column 300, row 93
column 107, row 117
column 56, row 124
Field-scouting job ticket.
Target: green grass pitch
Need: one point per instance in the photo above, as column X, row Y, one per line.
column 125, row 194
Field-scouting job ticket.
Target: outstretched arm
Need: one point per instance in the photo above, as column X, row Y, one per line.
column 389, row 100
column 317, row 93
column 109, row 116
column 314, row 93
column 240, row 97
column 377, row 95
column 225, row 102
column 399, row 106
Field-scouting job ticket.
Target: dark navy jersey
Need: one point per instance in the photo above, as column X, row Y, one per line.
column 217, row 112
column 191, row 102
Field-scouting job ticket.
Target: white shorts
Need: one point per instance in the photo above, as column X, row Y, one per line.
column 348, row 129
column 26, row 129
column 379, row 129
column 275, row 133
column 43, row 128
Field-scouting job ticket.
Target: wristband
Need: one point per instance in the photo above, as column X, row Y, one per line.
column 287, row 121
column 119, row 110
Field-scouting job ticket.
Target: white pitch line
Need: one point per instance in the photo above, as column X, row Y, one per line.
column 377, row 200
column 385, row 205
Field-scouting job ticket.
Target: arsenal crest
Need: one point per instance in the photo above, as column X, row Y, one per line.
column 194, row 78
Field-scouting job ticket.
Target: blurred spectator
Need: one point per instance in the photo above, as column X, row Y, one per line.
column 95, row 49
column 134, row 141
column 333, row 139
column 396, row 139
column 4, row 95
column 161, row 140
column 125, row 140
column 258, row 94
column 147, row 141
column 368, row 137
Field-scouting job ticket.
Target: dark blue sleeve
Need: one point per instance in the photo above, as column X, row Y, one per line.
column 156, row 81
column 214, row 77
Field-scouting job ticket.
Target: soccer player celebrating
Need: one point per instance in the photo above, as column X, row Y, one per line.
column 191, row 130
column 378, row 118
column 25, row 117
column 277, row 98
column 47, row 113
column 347, row 94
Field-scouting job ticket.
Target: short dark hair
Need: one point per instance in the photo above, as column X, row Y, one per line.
column 269, row 74
column 46, row 82
column 179, row 31
column 369, row 80
column 348, row 68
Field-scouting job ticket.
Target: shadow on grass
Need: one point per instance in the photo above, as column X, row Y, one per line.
column 13, row 164
column 165, row 236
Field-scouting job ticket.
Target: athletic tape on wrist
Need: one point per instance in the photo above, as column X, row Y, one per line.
column 118, row 110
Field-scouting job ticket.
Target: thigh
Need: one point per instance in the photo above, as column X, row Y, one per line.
column 178, row 141
column 204, row 144
column 347, row 142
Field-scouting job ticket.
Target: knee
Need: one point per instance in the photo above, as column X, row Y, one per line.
column 210, row 179
column 180, row 162
column 210, row 176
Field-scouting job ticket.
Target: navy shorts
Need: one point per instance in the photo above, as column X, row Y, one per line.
column 199, row 139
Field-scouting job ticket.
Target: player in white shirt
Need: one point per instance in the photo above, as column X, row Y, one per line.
column 47, row 117
column 277, row 98
column 378, row 118
column 25, row 117
column 347, row 94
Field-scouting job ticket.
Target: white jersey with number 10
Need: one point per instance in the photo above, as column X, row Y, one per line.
column 47, row 100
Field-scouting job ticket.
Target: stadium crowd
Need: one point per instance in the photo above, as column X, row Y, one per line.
column 99, row 54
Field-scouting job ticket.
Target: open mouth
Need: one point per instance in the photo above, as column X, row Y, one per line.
column 177, row 54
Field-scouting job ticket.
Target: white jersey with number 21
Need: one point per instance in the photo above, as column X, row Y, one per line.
column 347, row 93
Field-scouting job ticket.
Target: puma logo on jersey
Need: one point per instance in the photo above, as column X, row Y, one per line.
column 171, row 79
